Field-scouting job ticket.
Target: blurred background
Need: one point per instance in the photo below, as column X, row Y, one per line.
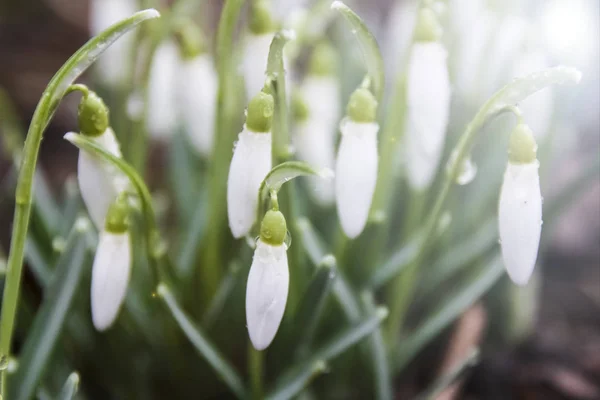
column 559, row 357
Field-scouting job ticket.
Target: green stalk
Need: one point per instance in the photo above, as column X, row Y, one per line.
column 225, row 136
column 256, row 370
column 44, row 111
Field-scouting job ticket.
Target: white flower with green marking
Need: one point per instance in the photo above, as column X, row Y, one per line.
column 250, row 165
column 520, row 207
column 356, row 164
column 268, row 281
column 161, row 117
column 112, row 267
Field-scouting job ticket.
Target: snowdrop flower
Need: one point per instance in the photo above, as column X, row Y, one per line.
column 257, row 45
column 112, row 266
column 398, row 34
column 268, row 281
column 537, row 108
column 356, row 164
column 250, row 165
column 114, row 64
column 316, row 118
column 162, row 96
column 99, row 182
column 197, row 91
column 520, row 207
column 428, row 102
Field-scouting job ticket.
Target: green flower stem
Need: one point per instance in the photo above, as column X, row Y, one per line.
column 256, row 370
column 44, row 111
column 227, row 114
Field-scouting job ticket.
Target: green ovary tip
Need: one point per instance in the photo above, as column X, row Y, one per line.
column 92, row 115
column 260, row 113
column 273, row 228
column 362, row 106
column 522, row 147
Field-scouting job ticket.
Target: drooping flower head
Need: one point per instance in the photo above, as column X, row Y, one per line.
column 316, row 106
column 250, row 165
column 161, row 117
column 428, row 102
column 356, row 164
column 268, row 281
column 520, row 206
column 112, row 266
column 99, row 182
column 197, row 84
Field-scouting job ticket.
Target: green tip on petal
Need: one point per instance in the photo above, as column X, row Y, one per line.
column 261, row 18
column 190, row 39
column 117, row 216
column 273, row 228
column 362, row 106
column 260, row 113
column 428, row 27
column 522, row 147
column 92, row 115
column 299, row 107
column 324, row 60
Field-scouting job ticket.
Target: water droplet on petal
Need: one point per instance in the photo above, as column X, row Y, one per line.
column 467, row 172
column 288, row 240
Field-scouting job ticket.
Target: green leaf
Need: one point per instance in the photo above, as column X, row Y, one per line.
column 50, row 319
column 204, row 347
column 224, row 291
column 368, row 46
column 37, row 262
column 450, row 310
column 378, row 352
column 184, row 177
column 315, row 248
column 296, row 378
column 311, row 306
column 186, row 261
column 285, row 172
column 399, row 260
column 452, row 376
column 70, row 388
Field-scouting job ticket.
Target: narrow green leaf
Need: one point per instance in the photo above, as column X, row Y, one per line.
column 37, row 262
column 50, row 319
column 315, row 248
column 448, row 312
column 296, row 378
column 204, row 347
column 184, row 178
column 186, row 260
column 368, row 46
column 399, row 260
column 378, row 352
column 311, row 306
column 463, row 253
column 45, row 204
column 72, row 206
column 223, row 292
column 452, row 376
column 70, row 388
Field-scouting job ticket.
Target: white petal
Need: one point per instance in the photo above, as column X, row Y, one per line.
column 323, row 99
column 428, row 102
column 114, row 64
column 99, row 182
column 356, row 174
column 537, row 109
column 399, row 31
column 162, row 110
column 254, row 64
column 197, row 99
column 250, row 165
column 110, row 277
column 266, row 293
column 520, row 220
column 315, row 145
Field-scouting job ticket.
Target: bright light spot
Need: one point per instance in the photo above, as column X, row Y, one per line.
column 569, row 30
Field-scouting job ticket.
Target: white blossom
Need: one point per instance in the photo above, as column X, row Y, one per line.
column 162, row 96
column 266, row 293
column 110, row 277
column 254, row 63
column 356, row 174
column 114, row 64
column 428, row 104
column 197, row 92
column 520, row 219
column 99, row 182
column 250, row 164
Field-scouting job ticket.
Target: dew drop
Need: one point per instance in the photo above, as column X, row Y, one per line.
column 288, row 240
